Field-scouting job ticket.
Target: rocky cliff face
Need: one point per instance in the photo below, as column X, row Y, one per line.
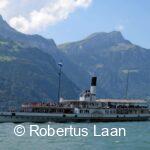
column 28, row 70
column 109, row 55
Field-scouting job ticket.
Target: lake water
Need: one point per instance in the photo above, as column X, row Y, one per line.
column 137, row 138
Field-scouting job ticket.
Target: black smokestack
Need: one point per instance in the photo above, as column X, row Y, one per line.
column 93, row 81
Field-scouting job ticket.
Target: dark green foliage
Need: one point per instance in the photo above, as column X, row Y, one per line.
column 29, row 74
column 28, row 71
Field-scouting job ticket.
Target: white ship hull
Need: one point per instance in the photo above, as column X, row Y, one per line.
column 20, row 117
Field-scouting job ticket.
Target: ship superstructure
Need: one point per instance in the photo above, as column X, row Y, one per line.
column 86, row 109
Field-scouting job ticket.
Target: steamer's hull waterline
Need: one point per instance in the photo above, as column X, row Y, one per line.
column 86, row 109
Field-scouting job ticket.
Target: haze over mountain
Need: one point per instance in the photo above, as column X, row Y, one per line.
column 28, row 72
column 46, row 45
column 28, row 68
column 109, row 56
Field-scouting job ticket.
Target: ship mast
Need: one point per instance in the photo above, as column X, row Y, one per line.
column 127, row 72
column 127, row 84
column 60, row 64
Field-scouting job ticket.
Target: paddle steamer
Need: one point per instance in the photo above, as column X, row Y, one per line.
column 86, row 109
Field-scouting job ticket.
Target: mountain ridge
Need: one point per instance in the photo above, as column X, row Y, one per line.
column 28, row 71
column 107, row 55
column 48, row 46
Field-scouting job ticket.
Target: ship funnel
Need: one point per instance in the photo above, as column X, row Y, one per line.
column 93, row 85
column 89, row 95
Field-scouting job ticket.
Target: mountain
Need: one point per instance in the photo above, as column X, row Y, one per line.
column 37, row 41
column 28, row 71
column 110, row 56
column 47, row 46
column 30, row 61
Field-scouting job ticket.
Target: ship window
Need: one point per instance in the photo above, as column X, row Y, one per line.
column 106, row 111
column 83, row 111
column 87, row 111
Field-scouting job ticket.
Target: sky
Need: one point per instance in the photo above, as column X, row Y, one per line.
column 72, row 20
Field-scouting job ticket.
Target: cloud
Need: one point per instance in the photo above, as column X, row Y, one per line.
column 120, row 27
column 3, row 3
column 50, row 14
